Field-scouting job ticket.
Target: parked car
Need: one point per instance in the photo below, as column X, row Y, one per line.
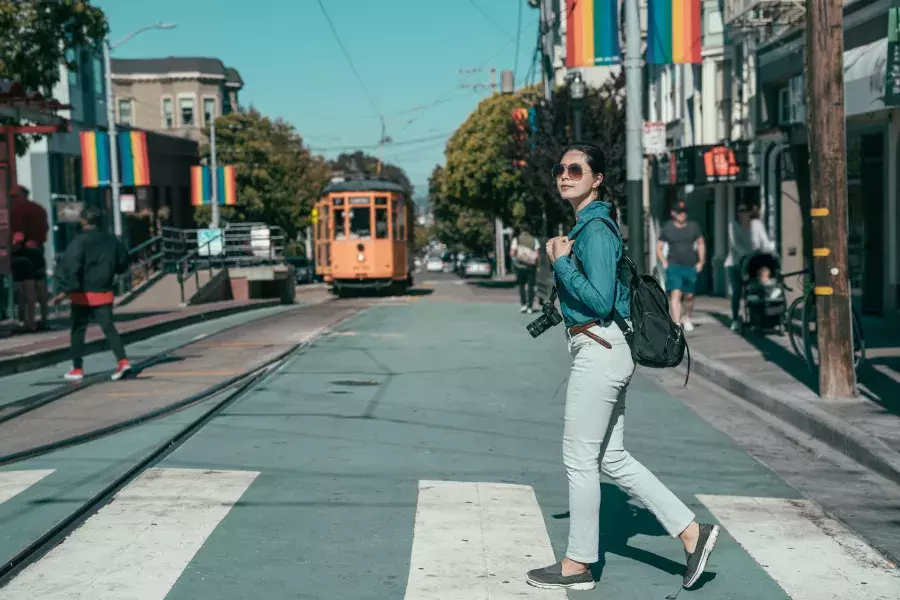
column 303, row 268
column 434, row 264
column 477, row 266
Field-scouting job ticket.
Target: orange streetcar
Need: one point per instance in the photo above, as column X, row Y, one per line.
column 363, row 237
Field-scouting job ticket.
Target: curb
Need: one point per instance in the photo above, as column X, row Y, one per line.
column 46, row 358
column 855, row 443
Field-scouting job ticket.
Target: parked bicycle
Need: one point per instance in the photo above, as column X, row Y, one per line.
column 802, row 325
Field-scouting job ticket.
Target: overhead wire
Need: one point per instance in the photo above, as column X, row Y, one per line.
column 350, row 61
column 491, row 19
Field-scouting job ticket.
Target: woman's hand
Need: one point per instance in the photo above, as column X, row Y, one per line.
column 558, row 247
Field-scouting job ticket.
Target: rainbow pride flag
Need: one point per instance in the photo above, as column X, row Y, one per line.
column 134, row 160
column 592, row 33
column 201, row 186
column 94, row 159
column 674, row 35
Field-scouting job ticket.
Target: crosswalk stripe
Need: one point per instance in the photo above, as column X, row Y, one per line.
column 136, row 547
column 13, row 483
column 476, row 541
column 810, row 555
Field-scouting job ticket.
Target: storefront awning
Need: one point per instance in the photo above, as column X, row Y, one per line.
column 865, row 68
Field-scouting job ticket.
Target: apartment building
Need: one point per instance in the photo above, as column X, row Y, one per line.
column 175, row 95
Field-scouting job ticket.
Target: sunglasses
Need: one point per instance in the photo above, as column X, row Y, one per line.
column 576, row 171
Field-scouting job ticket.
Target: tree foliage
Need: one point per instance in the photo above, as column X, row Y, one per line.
column 278, row 180
column 480, row 174
column 361, row 165
column 36, row 37
column 460, row 227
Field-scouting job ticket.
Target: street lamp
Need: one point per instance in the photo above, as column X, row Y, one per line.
column 576, row 93
column 111, row 119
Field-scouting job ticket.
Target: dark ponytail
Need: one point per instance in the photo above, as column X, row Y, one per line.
column 596, row 160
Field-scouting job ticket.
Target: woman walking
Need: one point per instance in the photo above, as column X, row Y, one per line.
column 746, row 235
column 586, row 273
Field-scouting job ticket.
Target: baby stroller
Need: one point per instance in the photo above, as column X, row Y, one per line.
column 764, row 304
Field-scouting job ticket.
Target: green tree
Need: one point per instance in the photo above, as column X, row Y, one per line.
column 36, row 37
column 458, row 226
column 480, row 173
column 278, row 180
column 359, row 164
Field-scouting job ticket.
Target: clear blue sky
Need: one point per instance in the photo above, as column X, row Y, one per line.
column 407, row 52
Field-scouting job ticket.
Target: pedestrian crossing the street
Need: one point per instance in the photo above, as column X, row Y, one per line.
column 470, row 540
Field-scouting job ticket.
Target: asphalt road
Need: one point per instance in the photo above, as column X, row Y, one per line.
column 414, row 452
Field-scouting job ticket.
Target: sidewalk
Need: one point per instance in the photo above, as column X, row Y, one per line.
column 25, row 352
column 765, row 370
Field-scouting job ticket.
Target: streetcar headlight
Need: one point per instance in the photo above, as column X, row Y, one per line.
column 360, row 257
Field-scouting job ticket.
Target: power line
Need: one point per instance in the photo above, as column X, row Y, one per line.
column 374, row 146
column 349, row 60
column 491, row 19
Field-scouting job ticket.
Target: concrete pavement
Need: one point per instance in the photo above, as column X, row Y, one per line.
column 414, row 453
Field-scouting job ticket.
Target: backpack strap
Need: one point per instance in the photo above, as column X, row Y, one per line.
column 617, row 318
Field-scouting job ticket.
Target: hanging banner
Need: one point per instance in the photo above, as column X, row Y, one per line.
column 892, row 71
column 133, row 158
column 674, row 34
column 201, row 186
column 592, row 33
column 94, row 159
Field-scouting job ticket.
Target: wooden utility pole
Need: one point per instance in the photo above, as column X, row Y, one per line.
column 828, row 176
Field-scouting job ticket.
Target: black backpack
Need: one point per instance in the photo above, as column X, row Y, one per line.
column 655, row 340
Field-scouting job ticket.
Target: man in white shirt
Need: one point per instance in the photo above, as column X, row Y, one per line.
column 525, row 251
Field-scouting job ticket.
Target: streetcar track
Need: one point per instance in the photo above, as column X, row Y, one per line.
column 31, row 403
column 241, row 384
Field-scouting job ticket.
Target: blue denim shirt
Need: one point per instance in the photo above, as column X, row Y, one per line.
column 592, row 298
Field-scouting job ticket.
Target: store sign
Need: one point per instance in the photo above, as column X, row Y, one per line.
column 654, row 137
column 720, row 164
column 892, row 71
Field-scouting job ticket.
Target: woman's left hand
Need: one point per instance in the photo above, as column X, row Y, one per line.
column 558, row 247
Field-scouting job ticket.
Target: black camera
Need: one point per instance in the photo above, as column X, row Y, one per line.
column 550, row 317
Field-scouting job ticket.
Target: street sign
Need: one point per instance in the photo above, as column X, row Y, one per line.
column 654, row 137
column 127, row 203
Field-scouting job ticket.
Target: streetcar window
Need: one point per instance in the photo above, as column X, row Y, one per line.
column 381, row 222
column 338, row 201
column 360, row 223
column 380, row 200
column 401, row 222
column 339, row 232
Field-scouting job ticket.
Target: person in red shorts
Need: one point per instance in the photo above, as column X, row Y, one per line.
column 87, row 274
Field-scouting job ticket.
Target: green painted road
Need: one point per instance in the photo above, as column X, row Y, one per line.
column 426, row 433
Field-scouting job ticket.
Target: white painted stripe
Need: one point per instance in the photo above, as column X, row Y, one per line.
column 13, row 483
column 136, row 547
column 476, row 541
column 810, row 555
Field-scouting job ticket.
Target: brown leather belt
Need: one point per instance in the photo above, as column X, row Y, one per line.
column 583, row 328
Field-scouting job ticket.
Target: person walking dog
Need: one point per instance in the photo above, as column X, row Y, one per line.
column 87, row 275
column 586, row 271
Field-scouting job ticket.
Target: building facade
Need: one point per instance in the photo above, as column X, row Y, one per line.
column 872, row 135
column 176, row 95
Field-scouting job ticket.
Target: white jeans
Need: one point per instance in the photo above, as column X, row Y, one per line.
column 593, row 441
